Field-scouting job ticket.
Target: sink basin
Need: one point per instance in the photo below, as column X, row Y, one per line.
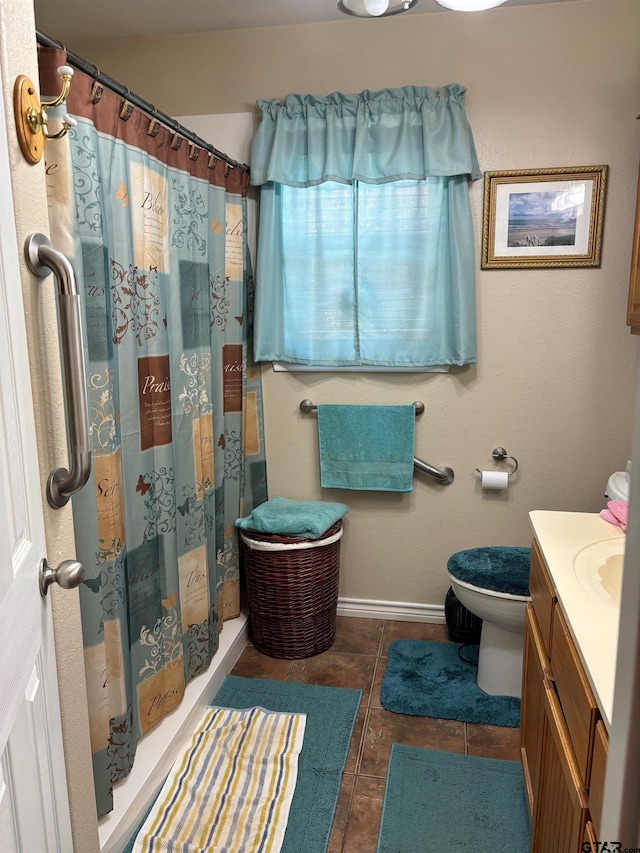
column 598, row 567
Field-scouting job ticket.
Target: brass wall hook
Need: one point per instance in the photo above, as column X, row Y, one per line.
column 31, row 114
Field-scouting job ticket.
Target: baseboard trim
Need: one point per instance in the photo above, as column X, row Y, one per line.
column 399, row 611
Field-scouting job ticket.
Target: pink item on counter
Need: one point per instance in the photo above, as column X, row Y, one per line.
column 604, row 513
column 616, row 513
column 620, row 509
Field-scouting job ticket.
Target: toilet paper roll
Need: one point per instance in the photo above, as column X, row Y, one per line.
column 494, row 479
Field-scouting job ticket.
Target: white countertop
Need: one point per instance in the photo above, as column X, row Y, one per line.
column 593, row 624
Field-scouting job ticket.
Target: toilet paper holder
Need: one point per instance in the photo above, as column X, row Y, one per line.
column 501, row 454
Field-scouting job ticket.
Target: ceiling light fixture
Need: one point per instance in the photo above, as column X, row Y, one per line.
column 470, row 5
column 375, row 8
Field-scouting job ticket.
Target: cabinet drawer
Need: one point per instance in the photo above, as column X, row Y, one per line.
column 578, row 703
column 543, row 595
column 598, row 770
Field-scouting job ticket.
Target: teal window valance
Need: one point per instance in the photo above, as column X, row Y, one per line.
column 365, row 241
column 374, row 137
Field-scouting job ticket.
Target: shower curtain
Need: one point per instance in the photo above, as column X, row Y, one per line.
column 156, row 231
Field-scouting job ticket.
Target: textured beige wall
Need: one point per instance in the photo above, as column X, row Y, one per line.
column 548, row 85
column 18, row 53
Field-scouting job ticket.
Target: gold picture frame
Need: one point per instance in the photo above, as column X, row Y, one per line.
column 543, row 218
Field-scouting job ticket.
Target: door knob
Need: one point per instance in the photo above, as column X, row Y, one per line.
column 68, row 575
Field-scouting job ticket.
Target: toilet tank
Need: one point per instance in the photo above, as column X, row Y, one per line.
column 617, row 487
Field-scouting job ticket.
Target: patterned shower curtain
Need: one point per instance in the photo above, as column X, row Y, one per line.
column 156, row 231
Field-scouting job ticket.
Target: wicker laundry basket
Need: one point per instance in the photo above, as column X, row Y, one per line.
column 292, row 588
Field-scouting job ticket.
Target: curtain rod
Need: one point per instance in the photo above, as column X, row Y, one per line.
column 94, row 72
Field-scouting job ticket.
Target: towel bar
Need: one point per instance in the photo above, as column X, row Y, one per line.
column 307, row 406
column 443, row 475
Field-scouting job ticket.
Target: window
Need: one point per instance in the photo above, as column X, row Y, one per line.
column 374, row 272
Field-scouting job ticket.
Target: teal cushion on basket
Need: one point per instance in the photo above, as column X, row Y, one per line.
column 499, row 569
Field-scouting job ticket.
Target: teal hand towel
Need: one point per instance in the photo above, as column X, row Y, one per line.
column 309, row 519
column 366, row 447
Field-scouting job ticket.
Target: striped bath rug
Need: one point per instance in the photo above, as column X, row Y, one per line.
column 232, row 787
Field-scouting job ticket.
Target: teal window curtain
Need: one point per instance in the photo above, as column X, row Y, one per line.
column 365, row 253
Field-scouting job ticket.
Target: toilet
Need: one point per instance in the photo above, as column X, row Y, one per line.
column 493, row 584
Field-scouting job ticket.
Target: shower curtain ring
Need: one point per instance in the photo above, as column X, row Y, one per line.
column 154, row 124
column 96, row 92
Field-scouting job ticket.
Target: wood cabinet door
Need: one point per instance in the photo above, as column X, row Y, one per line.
column 598, row 773
column 589, row 839
column 561, row 807
column 534, row 678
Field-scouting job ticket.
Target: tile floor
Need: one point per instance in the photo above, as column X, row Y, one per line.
column 357, row 659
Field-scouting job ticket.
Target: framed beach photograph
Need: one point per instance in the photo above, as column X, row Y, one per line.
column 543, row 217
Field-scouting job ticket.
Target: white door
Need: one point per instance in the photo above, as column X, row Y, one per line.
column 34, row 809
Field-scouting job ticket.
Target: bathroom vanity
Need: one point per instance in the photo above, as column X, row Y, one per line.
column 571, row 635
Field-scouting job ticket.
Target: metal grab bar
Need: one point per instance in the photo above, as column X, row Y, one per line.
column 443, row 475
column 42, row 259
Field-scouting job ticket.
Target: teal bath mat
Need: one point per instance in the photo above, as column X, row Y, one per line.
column 428, row 679
column 441, row 802
column 331, row 715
